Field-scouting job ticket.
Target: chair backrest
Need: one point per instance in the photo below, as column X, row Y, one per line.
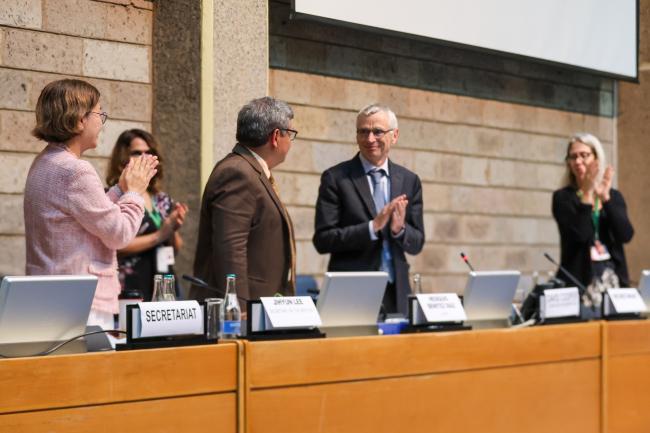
column 306, row 285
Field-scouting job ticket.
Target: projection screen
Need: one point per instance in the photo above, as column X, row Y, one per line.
column 597, row 35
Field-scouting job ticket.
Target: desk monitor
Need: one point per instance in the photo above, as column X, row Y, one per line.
column 44, row 308
column 644, row 287
column 488, row 294
column 351, row 298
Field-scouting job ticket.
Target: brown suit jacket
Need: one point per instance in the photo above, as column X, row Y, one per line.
column 243, row 231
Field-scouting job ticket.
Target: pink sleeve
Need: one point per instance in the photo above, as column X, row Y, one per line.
column 115, row 224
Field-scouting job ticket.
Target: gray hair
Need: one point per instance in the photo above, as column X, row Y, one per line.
column 257, row 119
column 371, row 109
column 596, row 147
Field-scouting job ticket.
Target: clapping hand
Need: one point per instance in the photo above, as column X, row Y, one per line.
column 603, row 188
column 138, row 173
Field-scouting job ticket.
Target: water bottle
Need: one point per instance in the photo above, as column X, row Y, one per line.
column 157, row 287
column 231, row 319
column 164, row 288
column 417, row 284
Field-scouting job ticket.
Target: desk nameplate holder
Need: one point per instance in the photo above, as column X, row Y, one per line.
column 558, row 306
column 418, row 321
column 623, row 304
column 133, row 342
column 260, row 329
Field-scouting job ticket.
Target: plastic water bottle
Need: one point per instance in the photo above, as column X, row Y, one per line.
column 231, row 319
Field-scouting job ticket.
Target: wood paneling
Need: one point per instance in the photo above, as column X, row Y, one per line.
column 98, row 378
column 188, row 414
column 284, row 363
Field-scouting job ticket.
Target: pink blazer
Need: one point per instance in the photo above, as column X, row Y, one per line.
column 72, row 226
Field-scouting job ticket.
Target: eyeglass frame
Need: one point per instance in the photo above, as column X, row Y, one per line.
column 293, row 133
column 582, row 155
column 377, row 132
column 103, row 115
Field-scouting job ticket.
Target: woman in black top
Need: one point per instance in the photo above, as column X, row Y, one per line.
column 158, row 238
column 592, row 219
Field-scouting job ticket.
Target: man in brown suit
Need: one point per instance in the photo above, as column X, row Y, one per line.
column 244, row 228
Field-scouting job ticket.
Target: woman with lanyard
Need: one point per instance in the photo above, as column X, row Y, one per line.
column 592, row 220
column 152, row 251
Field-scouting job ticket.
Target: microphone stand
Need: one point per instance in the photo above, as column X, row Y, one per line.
column 581, row 288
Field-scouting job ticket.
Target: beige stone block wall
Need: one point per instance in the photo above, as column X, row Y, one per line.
column 488, row 170
column 107, row 43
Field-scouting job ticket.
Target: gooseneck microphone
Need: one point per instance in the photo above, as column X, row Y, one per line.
column 466, row 260
column 573, row 279
column 199, row 282
column 581, row 288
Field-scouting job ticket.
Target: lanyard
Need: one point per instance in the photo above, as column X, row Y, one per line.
column 595, row 218
column 154, row 214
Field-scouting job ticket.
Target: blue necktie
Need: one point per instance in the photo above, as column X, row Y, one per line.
column 379, row 197
column 378, row 194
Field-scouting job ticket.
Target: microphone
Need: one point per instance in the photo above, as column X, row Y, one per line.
column 199, row 282
column 466, row 260
column 581, row 288
column 573, row 279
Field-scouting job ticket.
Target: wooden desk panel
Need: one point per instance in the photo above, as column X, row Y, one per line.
column 285, row 363
column 110, row 377
column 552, row 397
column 174, row 415
column 627, row 376
column 627, row 337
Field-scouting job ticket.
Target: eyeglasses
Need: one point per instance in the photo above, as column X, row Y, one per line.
column 292, row 133
column 378, row 133
column 581, row 155
column 103, row 115
column 140, row 152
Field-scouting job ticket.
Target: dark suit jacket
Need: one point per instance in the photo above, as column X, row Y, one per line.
column 577, row 233
column 343, row 210
column 242, row 230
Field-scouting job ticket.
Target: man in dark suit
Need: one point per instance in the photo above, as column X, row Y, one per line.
column 244, row 228
column 369, row 209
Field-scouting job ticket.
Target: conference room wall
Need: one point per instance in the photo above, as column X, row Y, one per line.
column 488, row 169
column 105, row 43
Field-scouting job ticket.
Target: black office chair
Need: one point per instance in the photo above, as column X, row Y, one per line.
column 306, row 285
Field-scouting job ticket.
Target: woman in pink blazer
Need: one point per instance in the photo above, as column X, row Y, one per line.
column 71, row 225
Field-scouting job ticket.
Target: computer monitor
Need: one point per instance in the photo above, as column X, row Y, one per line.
column 489, row 294
column 351, row 298
column 44, row 308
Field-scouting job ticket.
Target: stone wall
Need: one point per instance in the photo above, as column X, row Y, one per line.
column 107, row 43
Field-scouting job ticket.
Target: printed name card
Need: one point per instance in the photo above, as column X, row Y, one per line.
column 441, row 307
column 285, row 312
column 159, row 319
column 563, row 302
column 624, row 301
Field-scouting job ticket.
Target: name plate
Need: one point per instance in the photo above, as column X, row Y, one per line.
column 441, row 307
column 290, row 312
column 624, row 301
column 556, row 303
column 159, row 319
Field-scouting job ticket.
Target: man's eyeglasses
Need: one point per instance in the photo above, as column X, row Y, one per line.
column 378, row 133
column 141, row 152
column 575, row 156
column 292, row 133
column 103, row 115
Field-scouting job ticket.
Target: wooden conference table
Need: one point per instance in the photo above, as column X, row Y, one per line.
column 591, row 377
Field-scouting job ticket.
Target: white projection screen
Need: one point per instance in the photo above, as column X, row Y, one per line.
column 597, row 35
